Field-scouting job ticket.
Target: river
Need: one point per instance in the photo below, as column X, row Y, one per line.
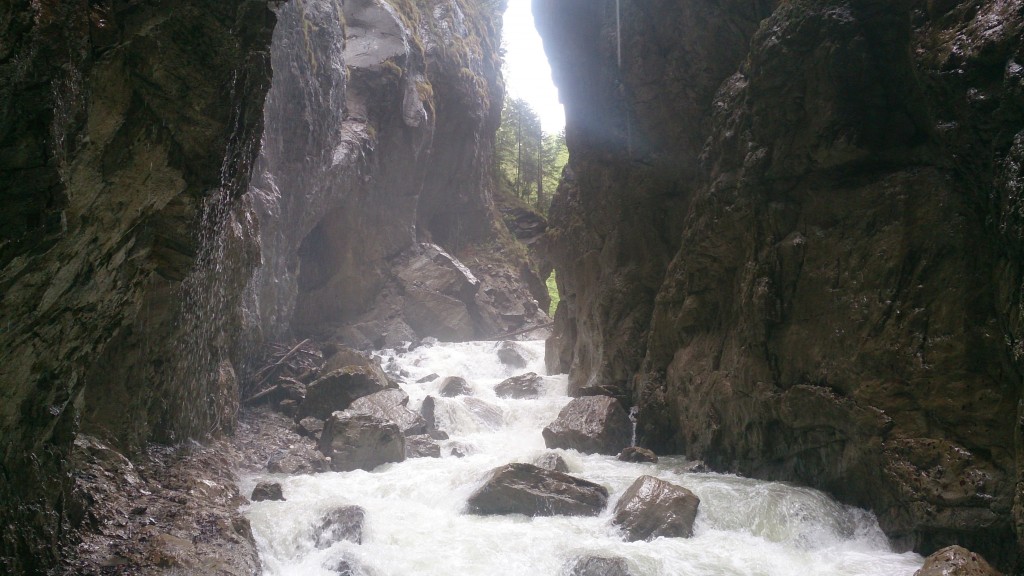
column 415, row 525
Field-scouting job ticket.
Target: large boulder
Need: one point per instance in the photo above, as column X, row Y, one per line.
column 591, row 424
column 523, row 386
column 552, row 461
column 485, row 413
column 439, row 294
column 511, row 355
column 390, row 405
column 651, row 508
column 361, row 441
column 453, row 386
column 637, row 454
column 527, row 489
column 597, row 566
column 267, row 491
column 340, row 524
column 956, row 561
column 337, row 389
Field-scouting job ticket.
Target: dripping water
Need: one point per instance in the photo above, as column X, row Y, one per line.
column 633, row 418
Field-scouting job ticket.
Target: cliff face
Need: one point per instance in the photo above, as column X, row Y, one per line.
column 792, row 239
column 379, row 136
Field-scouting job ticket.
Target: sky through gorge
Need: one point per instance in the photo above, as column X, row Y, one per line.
column 527, row 72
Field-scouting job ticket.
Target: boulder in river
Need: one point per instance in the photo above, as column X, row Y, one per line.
column 390, row 404
column 956, row 561
column 527, row 489
column 453, row 386
column 591, row 424
column 597, row 566
column 337, row 389
column 637, row 454
column 651, row 508
column 523, row 386
column 422, row 446
column 361, row 441
column 340, row 524
column 486, row 413
column 267, row 491
column 552, row 461
column 510, row 354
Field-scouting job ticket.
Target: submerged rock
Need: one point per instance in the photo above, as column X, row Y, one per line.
column 341, row 524
column 361, row 441
column 597, row 566
column 453, row 386
column 523, row 386
column 637, row 454
column 956, row 561
column 591, row 424
column 267, row 491
column 486, row 413
column 527, row 489
column 651, row 508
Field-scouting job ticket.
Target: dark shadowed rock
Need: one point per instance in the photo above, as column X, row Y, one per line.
column 511, row 355
column 956, row 561
column 597, row 566
column 267, row 491
column 651, row 508
column 693, row 467
column 337, row 389
column 422, row 446
column 637, row 454
column 460, row 449
column 453, row 386
column 390, row 405
column 591, row 424
column 552, row 461
column 341, row 524
column 361, row 441
column 533, row 491
column 523, row 386
column 299, row 459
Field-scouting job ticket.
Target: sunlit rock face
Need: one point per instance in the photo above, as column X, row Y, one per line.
column 793, row 239
column 379, row 135
column 119, row 123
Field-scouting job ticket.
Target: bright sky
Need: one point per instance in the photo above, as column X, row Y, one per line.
column 527, row 73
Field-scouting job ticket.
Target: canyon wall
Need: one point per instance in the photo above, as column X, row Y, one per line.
column 790, row 234
column 154, row 238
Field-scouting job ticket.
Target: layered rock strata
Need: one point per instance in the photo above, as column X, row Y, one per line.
column 791, row 236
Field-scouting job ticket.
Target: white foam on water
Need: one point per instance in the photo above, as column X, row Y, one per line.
column 415, row 525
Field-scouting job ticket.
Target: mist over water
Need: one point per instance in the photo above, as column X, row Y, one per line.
column 415, row 525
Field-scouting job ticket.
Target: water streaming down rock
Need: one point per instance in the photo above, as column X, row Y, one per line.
column 415, row 510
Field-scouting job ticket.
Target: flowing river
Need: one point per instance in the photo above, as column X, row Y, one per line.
column 415, row 525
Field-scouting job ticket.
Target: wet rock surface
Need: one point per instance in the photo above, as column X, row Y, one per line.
column 338, row 389
column 652, row 508
column 390, row 405
column 267, row 491
column 455, row 386
column 591, row 424
column 361, row 441
column 956, row 561
column 527, row 385
column 637, row 454
column 533, row 491
column 422, row 446
column 813, row 284
column 552, row 461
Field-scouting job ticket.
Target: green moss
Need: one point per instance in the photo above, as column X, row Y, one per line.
column 553, row 292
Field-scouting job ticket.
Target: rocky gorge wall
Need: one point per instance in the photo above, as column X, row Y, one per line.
column 789, row 234
column 156, row 237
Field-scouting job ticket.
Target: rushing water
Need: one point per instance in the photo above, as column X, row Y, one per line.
column 415, row 525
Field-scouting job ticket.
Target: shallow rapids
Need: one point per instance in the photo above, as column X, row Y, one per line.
column 415, row 525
